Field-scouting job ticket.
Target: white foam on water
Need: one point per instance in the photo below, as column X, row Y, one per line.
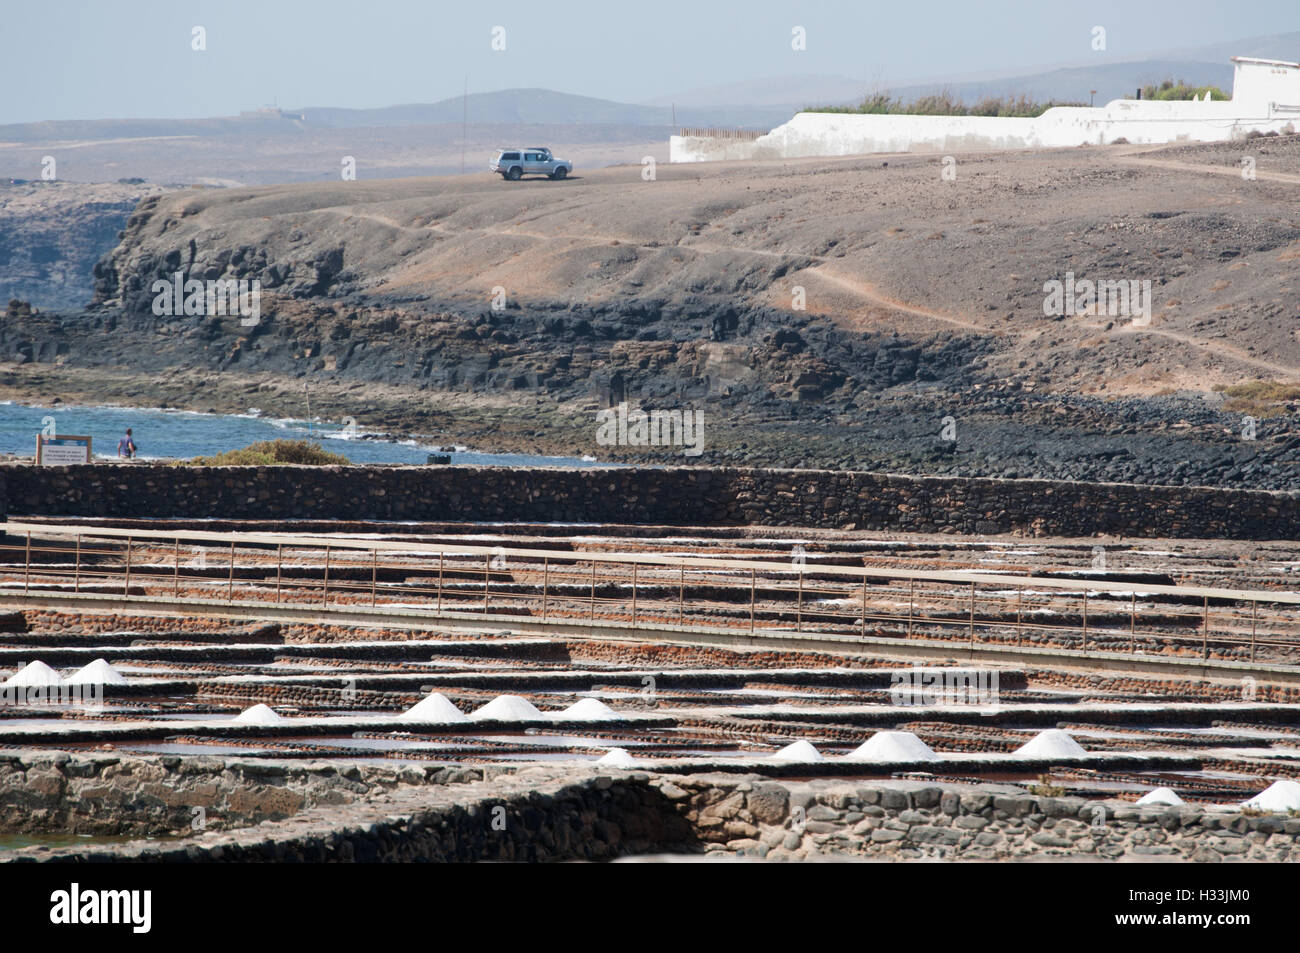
column 1053, row 743
column 508, row 708
column 1278, row 796
column 1161, row 796
column 590, row 709
column 33, row 673
column 798, row 751
column 617, row 758
column 98, row 672
column 434, row 709
column 892, row 746
column 259, row 715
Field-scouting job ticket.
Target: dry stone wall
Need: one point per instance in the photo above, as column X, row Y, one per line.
column 673, row 495
column 321, row 812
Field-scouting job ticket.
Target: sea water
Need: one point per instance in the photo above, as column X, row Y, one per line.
column 179, row 434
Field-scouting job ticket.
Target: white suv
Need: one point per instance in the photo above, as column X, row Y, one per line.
column 514, row 164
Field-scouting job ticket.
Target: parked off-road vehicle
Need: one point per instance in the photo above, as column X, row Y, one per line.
column 514, row 164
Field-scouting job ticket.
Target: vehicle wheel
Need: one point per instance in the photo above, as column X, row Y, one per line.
column 560, row 173
column 515, row 173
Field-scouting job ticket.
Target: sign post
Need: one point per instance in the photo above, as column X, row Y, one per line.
column 61, row 451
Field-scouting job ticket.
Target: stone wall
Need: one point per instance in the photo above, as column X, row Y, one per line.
column 360, row 813
column 673, row 495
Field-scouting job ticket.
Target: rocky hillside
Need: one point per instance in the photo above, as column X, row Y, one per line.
column 53, row 233
column 861, row 312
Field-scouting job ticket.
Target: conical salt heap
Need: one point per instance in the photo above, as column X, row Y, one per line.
column 98, row 672
column 1160, row 796
column 892, row 746
column 590, row 709
column 434, row 709
column 259, row 715
column 508, row 708
column 1278, row 796
column 33, row 674
column 798, row 751
column 1052, row 743
column 617, row 758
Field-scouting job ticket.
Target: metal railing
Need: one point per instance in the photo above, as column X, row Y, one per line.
column 711, row 133
column 646, row 590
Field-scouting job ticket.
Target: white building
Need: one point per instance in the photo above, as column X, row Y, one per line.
column 1265, row 98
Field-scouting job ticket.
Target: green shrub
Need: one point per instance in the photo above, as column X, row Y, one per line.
column 944, row 103
column 270, row 453
column 1170, row 90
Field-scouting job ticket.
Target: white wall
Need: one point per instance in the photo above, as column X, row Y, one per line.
column 1258, row 107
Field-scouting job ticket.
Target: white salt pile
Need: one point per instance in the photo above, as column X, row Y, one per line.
column 33, row 673
column 590, row 709
column 798, row 751
column 1278, row 796
column 1160, row 796
column 1052, row 743
column 617, row 758
column 508, row 708
column 98, row 672
column 892, row 746
column 433, row 710
column 259, row 715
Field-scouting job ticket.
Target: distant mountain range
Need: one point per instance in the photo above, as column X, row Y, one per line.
column 759, row 103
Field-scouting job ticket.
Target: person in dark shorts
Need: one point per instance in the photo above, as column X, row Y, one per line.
column 126, row 446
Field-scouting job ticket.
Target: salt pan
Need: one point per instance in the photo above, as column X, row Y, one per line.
column 33, row 673
column 1160, row 796
column 1052, row 743
column 798, row 751
column 508, row 708
column 892, row 746
column 259, row 715
column 98, row 672
column 590, row 709
column 1279, row 796
column 435, row 709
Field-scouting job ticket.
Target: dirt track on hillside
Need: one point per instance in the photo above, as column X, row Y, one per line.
column 923, row 298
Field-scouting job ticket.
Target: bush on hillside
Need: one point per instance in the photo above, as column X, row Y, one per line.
column 269, row 453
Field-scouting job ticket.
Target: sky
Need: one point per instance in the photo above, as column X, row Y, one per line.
column 97, row 59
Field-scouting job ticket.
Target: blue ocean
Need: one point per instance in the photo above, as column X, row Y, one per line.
column 171, row 434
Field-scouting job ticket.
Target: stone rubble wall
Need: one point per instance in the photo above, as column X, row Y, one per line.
column 365, row 813
column 674, row 495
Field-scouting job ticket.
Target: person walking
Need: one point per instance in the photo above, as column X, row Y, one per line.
column 126, row 446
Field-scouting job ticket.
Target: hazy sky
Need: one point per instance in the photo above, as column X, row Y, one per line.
column 91, row 59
